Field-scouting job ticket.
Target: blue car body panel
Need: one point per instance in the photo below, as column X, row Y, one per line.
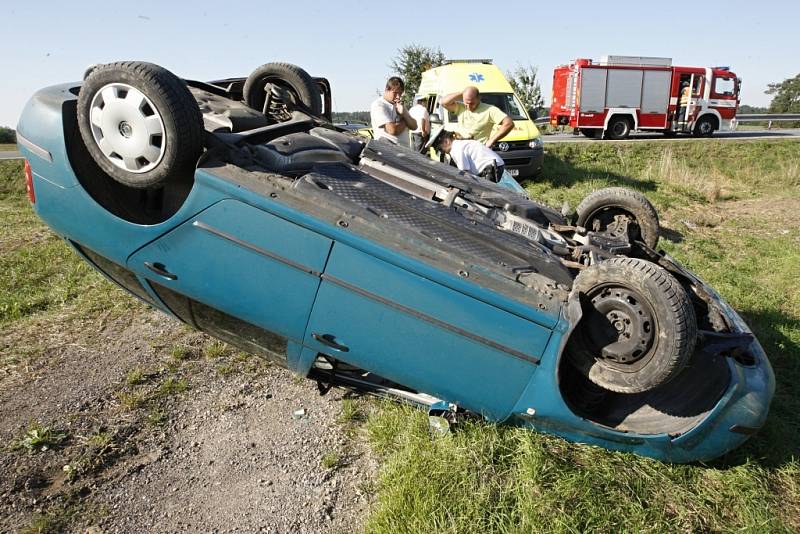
column 318, row 285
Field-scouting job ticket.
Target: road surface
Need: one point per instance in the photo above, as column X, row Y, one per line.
column 636, row 136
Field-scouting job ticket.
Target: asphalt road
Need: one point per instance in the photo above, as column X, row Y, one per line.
column 641, row 136
column 636, row 136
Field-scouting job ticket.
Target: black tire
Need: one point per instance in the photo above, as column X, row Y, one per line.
column 705, row 127
column 592, row 133
column 638, row 330
column 180, row 143
column 288, row 76
column 618, row 128
column 599, row 210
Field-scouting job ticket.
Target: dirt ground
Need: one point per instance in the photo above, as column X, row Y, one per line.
column 147, row 437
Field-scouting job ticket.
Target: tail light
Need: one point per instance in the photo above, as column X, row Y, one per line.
column 29, row 183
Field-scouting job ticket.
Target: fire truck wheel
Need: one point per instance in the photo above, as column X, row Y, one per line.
column 618, row 128
column 705, row 127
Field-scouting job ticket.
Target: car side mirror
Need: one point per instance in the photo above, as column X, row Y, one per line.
column 436, row 118
column 533, row 113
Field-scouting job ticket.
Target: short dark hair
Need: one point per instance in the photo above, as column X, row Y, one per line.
column 440, row 139
column 395, row 82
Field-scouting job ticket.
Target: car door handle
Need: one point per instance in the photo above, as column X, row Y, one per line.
column 328, row 340
column 160, row 270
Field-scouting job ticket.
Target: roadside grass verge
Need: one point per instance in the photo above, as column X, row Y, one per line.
column 41, row 276
column 730, row 212
column 7, row 147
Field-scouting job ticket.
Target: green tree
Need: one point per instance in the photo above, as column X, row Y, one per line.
column 7, row 135
column 523, row 81
column 410, row 62
column 787, row 96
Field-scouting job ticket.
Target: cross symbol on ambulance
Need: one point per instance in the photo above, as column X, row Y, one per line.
column 476, row 77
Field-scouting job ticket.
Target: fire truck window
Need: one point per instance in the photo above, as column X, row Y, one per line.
column 724, row 86
column 698, row 85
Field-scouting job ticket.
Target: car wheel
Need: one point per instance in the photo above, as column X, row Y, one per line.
column 618, row 128
column 140, row 124
column 638, row 328
column 705, row 127
column 616, row 209
column 291, row 77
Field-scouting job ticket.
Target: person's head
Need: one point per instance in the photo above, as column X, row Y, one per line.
column 471, row 98
column 444, row 141
column 422, row 100
column 394, row 89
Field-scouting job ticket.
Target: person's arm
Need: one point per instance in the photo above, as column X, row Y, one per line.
column 506, row 125
column 426, row 127
column 449, row 102
column 405, row 118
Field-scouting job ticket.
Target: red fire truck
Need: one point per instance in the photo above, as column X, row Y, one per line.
column 623, row 93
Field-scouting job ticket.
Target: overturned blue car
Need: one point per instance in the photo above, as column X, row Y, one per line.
column 237, row 207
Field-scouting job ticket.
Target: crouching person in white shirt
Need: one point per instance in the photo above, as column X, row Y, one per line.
column 476, row 158
column 471, row 156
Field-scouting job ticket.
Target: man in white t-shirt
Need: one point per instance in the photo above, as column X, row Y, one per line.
column 389, row 117
column 471, row 156
column 420, row 134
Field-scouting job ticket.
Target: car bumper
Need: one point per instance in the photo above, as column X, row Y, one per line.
column 523, row 163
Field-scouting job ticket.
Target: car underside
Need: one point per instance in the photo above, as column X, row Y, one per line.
column 604, row 339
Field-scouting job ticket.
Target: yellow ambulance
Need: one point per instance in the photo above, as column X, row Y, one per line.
column 522, row 149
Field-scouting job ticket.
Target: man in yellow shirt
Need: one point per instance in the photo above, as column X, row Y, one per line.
column 477, row 120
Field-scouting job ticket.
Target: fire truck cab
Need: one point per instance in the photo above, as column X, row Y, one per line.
column 618, row 94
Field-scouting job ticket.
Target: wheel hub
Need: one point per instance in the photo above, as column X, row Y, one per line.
column 621, row 326
column 127, row 128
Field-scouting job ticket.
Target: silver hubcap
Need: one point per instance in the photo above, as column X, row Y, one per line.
column 127, row 128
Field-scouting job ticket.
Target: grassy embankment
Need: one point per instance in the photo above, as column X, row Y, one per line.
column 729, row 210
column 730, row 213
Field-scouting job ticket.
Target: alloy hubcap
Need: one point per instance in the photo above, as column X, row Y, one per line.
column 127, row 128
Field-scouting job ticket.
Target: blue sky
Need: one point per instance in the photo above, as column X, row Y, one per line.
column 351, row 42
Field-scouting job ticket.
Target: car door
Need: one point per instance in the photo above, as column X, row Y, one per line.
column 421, row 334
column 235, row 269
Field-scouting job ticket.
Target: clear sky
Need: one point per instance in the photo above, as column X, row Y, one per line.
column 351, row 42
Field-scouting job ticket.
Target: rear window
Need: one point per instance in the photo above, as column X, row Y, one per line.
column 117, row 273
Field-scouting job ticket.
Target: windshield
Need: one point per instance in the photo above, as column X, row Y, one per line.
column 724, row 86
column 507, row 102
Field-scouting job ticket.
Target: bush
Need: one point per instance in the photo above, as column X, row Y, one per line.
column 7, row 135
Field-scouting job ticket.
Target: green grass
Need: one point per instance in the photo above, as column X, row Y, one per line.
column 38, row 437
column 488, row 478
column 7, row 147
column 41, row 277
